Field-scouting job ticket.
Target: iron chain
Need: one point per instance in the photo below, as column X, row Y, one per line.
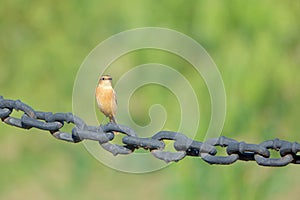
column 183, row 145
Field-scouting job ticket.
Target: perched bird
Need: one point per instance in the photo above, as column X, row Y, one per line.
column 106, row 98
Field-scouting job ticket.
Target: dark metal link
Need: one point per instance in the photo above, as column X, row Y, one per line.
column 110, row 127
column 5, row 112
column 29, row 122
column 193, row 148
column 97, row 136
column 291, row 148
column 49, row 117
column 183, row 145
column 171, row 156
column 7, row 106
column 116, row 149
column 64, row 136
column 134, row 142
column 275, row 145
column 224, row 160
column 17, row 105
column 246, row 151
column 14, row 122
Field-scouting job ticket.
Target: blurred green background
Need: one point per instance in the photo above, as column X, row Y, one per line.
column 256, row 46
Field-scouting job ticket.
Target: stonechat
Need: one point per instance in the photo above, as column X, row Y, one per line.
column 106, row 98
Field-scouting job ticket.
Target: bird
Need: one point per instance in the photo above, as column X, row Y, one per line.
column 106, row 98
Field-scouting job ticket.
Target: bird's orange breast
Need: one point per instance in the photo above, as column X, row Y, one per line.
column 106, row 101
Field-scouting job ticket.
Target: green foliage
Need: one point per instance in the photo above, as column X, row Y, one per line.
column 256, row 46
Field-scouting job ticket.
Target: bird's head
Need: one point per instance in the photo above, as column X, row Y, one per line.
column 105, row 80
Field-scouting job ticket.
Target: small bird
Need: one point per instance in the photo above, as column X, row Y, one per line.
column 106, row 98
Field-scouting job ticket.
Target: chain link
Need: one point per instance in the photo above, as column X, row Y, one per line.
column 183, row 145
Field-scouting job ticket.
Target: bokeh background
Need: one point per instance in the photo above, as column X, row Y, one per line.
column 256, row 46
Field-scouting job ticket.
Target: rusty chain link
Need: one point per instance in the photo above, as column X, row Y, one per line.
column 183, row 145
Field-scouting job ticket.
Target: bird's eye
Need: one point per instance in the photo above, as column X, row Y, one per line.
column 102, row 78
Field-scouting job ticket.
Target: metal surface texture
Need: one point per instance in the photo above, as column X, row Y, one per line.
column 183, row 145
